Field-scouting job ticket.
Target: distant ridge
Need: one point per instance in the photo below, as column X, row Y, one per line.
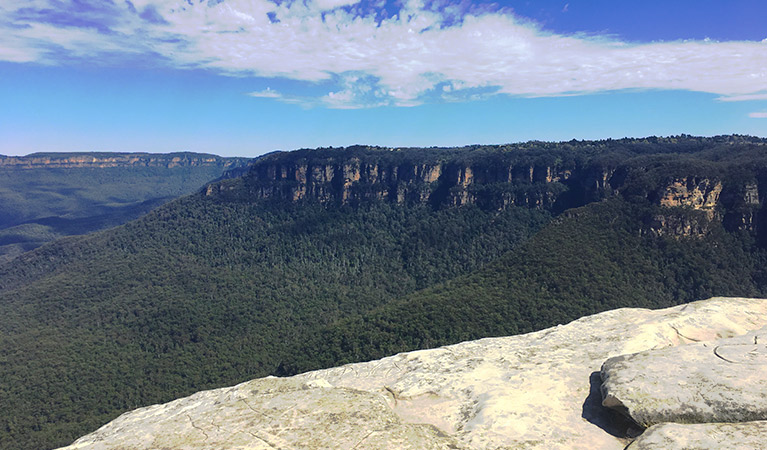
column 117, row 159
column 45, row 196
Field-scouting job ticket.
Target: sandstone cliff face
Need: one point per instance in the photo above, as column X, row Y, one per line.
column 346, row 180
column 441, row 182
column 689, row 203
column 535, row 391
column 693, row 204
column 700, row 194
column 678, row 224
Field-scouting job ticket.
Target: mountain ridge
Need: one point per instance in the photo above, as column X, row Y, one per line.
column 45, row 196
column 551, row 176
column 115, row 159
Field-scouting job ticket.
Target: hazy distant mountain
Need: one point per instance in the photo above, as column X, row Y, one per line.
column 44, row 196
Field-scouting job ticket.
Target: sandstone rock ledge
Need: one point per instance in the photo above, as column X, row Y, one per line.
column 724, row 380
column 705, row 436
column 534, row 391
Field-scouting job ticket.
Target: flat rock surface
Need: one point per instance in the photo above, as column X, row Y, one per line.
column 533, row 391
column 267, row 414
column 724, row 380
column 707, row 436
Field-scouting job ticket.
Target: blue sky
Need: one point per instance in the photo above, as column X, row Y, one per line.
column 244, row 77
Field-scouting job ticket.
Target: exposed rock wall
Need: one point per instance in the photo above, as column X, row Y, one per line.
column 700, row 194
column 344, row 179
column 691, row 198
column 449, row 183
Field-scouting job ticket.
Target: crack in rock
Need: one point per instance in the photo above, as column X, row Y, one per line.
column 394, row 395
column 682, row 335
column 363, row 439
column 201, row 430
column 262, row 440
column 718, row 355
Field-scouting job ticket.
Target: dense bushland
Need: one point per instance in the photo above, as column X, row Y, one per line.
column 199, row 294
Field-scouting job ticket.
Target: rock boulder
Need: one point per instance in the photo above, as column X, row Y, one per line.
column 724, row 380
column 706, row 436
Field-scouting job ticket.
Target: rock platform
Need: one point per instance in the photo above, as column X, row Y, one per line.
column 535, row 391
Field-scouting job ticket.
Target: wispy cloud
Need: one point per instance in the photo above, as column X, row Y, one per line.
column 332, row 4
column 758, row 115
column 266, row 93
column 743, row 98
column 420, row 52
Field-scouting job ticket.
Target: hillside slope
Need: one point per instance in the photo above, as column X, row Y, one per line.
column 591, row 259
column 202, row 293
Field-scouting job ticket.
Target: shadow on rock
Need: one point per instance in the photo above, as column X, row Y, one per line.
column 611, row 421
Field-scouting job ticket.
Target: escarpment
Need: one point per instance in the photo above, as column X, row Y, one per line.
column 691, row 204
column 409, row 176
column 103, row 160
column 443, row 182
column 690, row 196
column 702, row 194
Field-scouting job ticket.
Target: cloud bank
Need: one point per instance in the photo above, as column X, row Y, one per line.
column 372, row 53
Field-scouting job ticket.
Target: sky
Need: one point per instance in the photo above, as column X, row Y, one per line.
column 246, row 77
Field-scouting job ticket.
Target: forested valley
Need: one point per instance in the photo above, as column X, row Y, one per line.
column 315, row 258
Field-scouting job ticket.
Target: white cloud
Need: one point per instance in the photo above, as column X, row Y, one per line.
column 743, row 98
column 332, row 4
column 356, row 91
column 13, row 49
column 758, row 115
column 399, row 60
column 266, row 93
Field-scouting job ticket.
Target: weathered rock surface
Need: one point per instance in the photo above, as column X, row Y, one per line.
column 334, row 177
column 692, row 192
column 269, row 413
column 706, row 436
column 533, row 391
column 718, row 381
